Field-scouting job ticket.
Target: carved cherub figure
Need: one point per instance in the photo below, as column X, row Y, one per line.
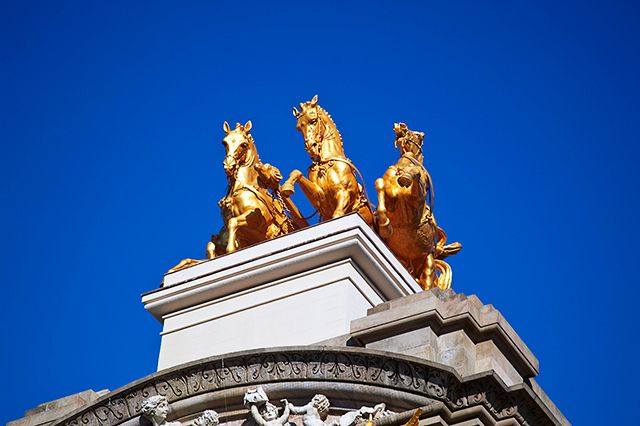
column 208, row 418
column 155, row 410
column 315, row 412
column 263, row 412
column 267, row 414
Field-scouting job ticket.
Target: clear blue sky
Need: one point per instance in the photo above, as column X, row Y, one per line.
column 111, row 164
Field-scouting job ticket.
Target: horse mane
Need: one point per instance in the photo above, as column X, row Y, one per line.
column 328, row 120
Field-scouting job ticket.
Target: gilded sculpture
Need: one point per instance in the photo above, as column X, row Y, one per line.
column 332, row 186
column 252, row 209
column 256, row 208
column 405, row 214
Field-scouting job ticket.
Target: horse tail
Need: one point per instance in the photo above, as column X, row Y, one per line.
column 445, row 275
column 443, row 250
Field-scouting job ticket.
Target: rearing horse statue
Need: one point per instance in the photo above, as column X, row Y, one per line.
column 405, row 214
column 251, row 213
column 252, row 210
column 332, row 186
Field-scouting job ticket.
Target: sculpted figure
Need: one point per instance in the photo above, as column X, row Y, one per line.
column 332, row 186
column 315, row 412
column 364, row 414
column 405, row 214
column 252, row 209
column 155, row 410
column 263, row 412
column 208, row 418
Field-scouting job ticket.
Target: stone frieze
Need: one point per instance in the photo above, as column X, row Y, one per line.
column 347, row 365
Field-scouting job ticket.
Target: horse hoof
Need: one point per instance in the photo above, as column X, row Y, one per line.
column 287, row 190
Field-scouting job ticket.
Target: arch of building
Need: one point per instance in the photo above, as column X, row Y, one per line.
column 349, row 377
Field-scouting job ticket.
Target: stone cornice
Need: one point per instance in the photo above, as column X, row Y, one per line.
column 445, row 312
column 320, row 364
column 347, row 237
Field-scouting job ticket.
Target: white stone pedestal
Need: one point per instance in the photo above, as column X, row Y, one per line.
column 299, row 289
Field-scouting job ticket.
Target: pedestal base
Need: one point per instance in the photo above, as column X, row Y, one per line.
column 298, row 289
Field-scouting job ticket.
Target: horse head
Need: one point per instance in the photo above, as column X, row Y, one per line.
column 311, row 126
column 241, row 151
column 408, row 141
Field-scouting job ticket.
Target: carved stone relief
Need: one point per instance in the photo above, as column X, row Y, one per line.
column 263, row 412
column 208, row 418
column 154, row 411
column 299, row 365
column 357, row 417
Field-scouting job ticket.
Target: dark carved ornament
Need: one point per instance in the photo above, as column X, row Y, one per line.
column 346, row 365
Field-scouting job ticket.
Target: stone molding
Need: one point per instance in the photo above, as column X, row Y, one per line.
column 347, row 237
column 446, row 312
column 321, row 364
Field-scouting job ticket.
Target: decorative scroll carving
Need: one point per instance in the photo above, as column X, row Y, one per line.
column 344, row 365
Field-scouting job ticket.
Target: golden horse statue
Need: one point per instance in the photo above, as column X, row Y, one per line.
column 252, row 209
column 405, row 214
column 332, row 187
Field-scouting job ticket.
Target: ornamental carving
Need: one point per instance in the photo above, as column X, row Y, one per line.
column 343, row 365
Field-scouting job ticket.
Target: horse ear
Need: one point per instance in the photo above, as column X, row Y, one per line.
column 225, row 127
column 296, row 113
column 247, row 126
column 314, row 101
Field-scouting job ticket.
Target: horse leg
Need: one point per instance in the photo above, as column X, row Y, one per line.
column 342, row 202
column 366, row 211
column 287, row 187
column 384, row 227
column 211, row 250
column 312, row 191
column 232, row 225
column 428, row 278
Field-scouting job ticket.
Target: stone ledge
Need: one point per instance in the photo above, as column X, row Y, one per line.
column 347, row 237
column 446, row 312
column 50, row 411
